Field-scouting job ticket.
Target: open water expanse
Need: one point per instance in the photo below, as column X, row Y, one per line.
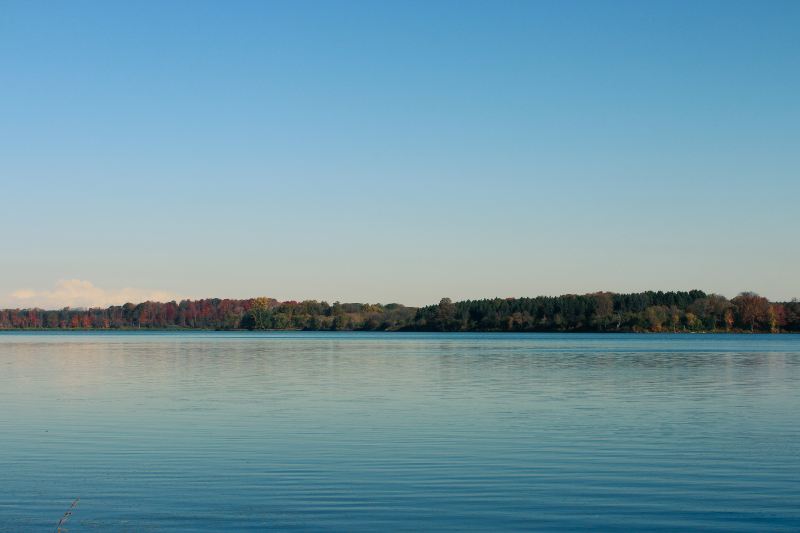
column 204, row 431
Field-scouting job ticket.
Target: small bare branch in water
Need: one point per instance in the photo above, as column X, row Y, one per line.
column 60, row 528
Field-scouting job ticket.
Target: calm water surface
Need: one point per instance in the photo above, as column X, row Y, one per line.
column 373, row 432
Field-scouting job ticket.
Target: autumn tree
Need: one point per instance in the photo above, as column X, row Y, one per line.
column 752, row 309
column 260, row 313
column 710, row 310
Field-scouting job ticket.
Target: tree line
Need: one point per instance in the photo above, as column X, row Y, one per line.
column 604, row 311
column 648, row 311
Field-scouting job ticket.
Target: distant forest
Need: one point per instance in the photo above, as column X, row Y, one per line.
column 603, row 311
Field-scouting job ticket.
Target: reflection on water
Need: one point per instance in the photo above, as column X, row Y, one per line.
column 362, row 432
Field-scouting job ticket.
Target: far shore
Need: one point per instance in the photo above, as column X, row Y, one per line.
column 692, row 311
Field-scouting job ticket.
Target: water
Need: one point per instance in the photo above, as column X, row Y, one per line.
column 373, row 432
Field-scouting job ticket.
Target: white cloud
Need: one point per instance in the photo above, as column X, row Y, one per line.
column 81, row 293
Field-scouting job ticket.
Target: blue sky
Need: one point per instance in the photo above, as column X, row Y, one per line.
column 376, row 151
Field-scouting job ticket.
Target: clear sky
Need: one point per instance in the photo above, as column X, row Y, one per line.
column 397, row 151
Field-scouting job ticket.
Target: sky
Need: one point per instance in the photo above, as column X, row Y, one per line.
column 396, row 151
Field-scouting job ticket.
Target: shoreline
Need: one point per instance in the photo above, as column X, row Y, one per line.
column 501, row 332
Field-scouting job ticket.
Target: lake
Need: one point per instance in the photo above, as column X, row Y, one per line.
column 207, row 431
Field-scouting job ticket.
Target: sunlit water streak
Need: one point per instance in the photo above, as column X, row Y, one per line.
column 365, row 432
